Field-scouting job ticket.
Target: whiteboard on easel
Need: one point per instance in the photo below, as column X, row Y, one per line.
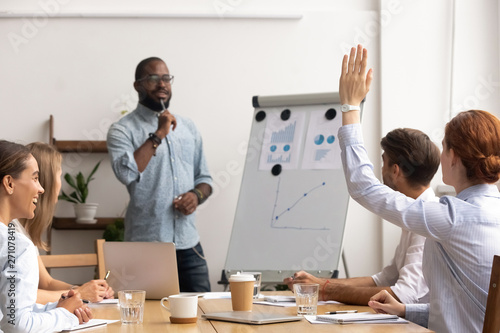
column 293, row 198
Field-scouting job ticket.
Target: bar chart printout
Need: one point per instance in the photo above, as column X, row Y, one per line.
column 282, row 140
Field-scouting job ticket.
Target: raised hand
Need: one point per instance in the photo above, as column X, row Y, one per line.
column 354, row 81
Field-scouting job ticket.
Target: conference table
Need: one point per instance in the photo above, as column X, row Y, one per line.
column 156, row 319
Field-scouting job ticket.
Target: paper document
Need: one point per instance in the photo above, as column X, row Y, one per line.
column 108, row 301
column 91, row 324
column 322, row 150
column 217, row 295
column 358, row 318
column 279, row 299
column 282, row 141
column 288, row 303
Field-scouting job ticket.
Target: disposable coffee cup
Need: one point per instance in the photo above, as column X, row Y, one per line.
column 241, row 286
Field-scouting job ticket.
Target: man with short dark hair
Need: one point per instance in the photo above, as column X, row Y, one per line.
column 410, row 160
column 159, row 157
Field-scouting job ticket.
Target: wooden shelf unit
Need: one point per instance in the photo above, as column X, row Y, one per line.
column 75, row 146
column 69, row 223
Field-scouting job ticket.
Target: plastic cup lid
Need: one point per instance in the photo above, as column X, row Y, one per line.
column 238, row 277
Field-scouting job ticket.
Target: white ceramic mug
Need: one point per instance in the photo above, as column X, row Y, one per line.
column 181, row 306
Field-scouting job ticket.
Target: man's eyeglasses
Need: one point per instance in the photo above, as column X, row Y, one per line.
column 155, row 79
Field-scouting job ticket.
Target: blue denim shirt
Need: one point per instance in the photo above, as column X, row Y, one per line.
column 179, row 165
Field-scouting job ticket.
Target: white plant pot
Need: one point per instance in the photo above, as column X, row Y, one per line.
column 85, row 213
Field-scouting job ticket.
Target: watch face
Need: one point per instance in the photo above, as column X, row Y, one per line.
column 347, row 107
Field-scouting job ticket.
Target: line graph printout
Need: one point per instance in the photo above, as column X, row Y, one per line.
column 282, row 141
column 322, row 150
column 286, row 205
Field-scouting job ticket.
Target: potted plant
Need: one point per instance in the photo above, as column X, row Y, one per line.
column 85, row 212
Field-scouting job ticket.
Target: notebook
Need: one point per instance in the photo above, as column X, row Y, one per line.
column 254, row 318
column 149, row 266
column 279, row 298
column 91, row 324
column 349, row 318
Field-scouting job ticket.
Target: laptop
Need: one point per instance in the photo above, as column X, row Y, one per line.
column 149, row 266
column 253, row 318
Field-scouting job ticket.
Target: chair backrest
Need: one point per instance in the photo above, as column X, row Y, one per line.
column 492, row 316
column 78, row 260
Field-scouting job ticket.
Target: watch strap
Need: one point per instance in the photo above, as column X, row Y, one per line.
column 347, row 108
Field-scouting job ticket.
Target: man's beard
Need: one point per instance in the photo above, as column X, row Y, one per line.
column 152, row 104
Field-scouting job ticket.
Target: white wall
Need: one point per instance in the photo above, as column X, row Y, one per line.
column 430, row 72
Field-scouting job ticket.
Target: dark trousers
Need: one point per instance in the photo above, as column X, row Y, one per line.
column 193, row 270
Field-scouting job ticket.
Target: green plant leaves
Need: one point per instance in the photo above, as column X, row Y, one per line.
column 80, row 184
column 65, row 197
column 93, row 171
column 114, row 231
column 70, row 181
column 82, row 187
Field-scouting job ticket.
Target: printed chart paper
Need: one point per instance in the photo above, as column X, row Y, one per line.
column 322, row 150
column 282, row 141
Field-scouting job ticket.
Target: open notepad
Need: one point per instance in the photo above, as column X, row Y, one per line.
column 279, row 298
column 91, row 324
column 361, row 318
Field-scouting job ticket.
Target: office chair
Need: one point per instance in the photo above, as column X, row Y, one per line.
column 78, row 260
column 492, row 317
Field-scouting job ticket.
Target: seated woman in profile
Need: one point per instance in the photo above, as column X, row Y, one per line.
column 19, row 193
column 49, row 289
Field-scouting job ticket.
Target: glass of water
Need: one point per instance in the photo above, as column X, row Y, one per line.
column 256, row 287
column 131, row 306
column 306, row 297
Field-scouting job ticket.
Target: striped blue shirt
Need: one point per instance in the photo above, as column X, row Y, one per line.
column 463, row 235
column 179, row 165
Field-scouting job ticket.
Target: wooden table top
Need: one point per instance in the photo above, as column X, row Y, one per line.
column 156, row 319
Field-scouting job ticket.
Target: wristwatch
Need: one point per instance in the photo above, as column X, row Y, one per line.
column 347, row 108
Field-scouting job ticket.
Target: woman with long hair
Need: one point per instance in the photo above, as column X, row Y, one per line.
column 49, row 161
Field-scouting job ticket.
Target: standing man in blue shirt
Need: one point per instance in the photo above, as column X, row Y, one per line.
column 159, row 157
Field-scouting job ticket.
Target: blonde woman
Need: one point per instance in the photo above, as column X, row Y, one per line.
column 49, row 289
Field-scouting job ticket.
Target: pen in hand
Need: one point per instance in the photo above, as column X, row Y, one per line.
column 83, row 300
column 342, row 311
